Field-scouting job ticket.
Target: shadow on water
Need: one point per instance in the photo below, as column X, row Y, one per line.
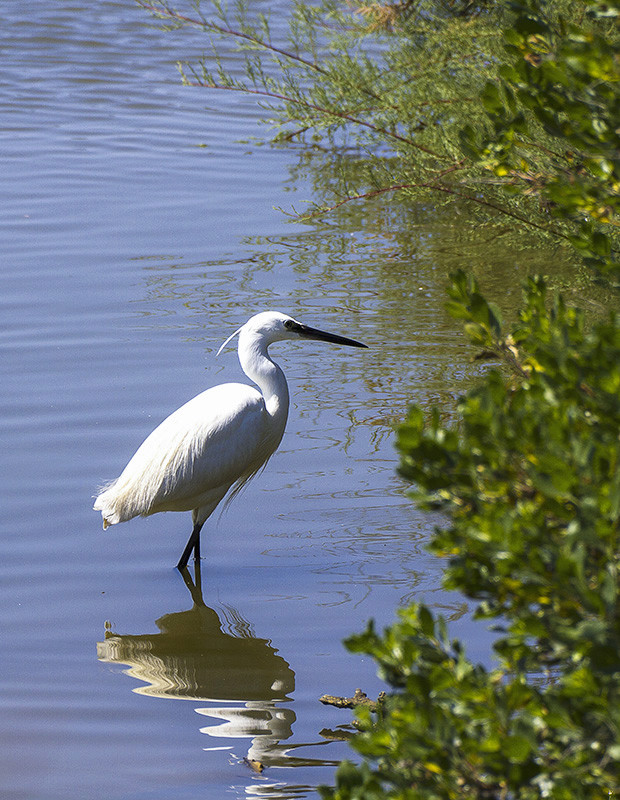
column 214, row 657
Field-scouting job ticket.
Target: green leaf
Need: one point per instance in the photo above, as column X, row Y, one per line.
column 518, row 748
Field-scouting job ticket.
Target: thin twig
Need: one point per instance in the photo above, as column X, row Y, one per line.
column 166, row 12
column 328, row 111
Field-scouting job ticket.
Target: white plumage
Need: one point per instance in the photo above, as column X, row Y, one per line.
column 215, row 442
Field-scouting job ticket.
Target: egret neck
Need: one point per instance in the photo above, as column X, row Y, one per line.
column 258, row 366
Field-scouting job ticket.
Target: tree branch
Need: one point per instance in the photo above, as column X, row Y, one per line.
column 359, row 699
column 163, row 11
column 312, row 106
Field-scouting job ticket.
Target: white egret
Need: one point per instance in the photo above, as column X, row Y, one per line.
column 215, row 442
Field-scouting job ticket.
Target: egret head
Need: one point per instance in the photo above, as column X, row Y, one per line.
column 273, row 326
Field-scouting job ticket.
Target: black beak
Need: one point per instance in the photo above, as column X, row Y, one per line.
column 312, row 333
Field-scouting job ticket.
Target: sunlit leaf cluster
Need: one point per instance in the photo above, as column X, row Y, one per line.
column 452, row 729
column 531, row 480
column 561, row 79
column 529, row 483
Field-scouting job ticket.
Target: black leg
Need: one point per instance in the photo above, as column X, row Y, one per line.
column 193, row 543
column 194, row 586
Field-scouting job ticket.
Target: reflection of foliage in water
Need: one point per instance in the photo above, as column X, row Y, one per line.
column 390, row 95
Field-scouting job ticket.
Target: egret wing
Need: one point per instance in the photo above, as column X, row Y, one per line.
column 199, row 451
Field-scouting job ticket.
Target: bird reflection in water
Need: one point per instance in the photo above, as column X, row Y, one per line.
column 199, row 656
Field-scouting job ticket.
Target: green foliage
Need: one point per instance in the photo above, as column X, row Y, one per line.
column 451, row 729
column 516, row 113
column 529, row 482
column 561, row 80
column 394, row 90
column 383, row 88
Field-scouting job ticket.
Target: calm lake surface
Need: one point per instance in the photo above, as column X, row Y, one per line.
column 138, row 230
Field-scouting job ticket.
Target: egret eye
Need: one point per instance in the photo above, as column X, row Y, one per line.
column 289, row 324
